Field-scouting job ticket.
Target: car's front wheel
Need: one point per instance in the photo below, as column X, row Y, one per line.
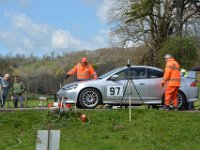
column 89, row 98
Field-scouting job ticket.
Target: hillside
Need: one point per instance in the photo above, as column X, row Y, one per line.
column 46, row 74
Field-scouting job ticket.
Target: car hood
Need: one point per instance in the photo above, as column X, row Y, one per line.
column 80, row 83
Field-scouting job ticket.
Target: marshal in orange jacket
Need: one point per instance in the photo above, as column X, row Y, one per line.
column 172, row 73
column 83, row 72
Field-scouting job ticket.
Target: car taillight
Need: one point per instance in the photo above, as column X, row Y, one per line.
column 193, row 84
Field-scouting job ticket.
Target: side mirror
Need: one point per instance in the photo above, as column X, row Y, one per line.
column 114, row 77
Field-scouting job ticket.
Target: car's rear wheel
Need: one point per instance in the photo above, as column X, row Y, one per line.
column 182, row 101
column 89, row 98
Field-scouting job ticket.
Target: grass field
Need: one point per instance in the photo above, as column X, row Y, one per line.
column 108, row 129
column 29, row 103
column 105, row 129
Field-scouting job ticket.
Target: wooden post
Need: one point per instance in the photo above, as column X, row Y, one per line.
column 48, row 140
column 26, row 99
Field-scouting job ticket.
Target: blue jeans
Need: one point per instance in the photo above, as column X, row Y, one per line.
column 3, row 101
column 19, row 98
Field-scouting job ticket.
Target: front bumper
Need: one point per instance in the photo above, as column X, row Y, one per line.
column 67, row 96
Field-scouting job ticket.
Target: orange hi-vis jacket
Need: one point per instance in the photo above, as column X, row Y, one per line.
column 83, row 72
column 172, row 73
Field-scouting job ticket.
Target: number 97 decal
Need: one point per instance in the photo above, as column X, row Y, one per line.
column 114, row 90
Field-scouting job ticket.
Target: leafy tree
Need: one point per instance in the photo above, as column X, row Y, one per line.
column 184, row 50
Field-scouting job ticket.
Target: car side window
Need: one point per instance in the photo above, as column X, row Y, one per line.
column 123, row 74
column 139, row 73
column 151, row 73
column 132, row 73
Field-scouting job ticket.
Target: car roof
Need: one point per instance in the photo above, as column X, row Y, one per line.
column 124, row 67
column 142, row 66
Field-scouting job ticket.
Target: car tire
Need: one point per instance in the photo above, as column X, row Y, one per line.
column 89, row 98
column 78, row 105
column 182, row 101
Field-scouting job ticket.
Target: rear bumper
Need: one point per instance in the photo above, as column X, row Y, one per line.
column 193, row 100
column 192, row 94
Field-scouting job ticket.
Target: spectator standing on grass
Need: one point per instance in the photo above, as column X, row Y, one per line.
column 17, row 90
column 4, row 85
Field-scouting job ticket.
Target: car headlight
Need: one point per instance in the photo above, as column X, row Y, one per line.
column 70, row 87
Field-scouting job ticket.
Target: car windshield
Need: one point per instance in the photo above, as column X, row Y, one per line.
column 109, row 73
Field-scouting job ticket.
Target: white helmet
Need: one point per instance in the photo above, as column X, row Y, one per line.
column 168, row 56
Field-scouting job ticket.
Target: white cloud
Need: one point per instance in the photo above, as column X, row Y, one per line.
column 103, row 10
column 62, row 39
column 25, row 36
column 101, row 39
column 110, row 10
column 21, row 22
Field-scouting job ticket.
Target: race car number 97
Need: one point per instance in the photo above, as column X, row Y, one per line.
column 114, row 90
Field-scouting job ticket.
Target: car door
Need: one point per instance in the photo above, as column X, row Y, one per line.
column 139, row 86
column 155, row 78
column 114, row 87
column 128, row 85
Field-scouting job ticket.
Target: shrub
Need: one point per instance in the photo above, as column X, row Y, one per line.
column 184, row 50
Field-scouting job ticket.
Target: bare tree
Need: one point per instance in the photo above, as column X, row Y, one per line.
column 151, row 22
column 186, row 12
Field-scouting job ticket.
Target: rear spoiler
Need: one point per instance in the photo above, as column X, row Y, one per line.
column 191, row 75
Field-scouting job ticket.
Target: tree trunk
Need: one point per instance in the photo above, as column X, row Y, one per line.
column 179, row 13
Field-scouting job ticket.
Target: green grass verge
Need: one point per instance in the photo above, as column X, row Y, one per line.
column 105, row 129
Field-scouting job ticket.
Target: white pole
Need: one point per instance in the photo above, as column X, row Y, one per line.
column 75, row 108
column 129, row 78
column 129, row 100
column 62, row 104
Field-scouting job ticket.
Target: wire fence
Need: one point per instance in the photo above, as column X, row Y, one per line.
column 39, row 99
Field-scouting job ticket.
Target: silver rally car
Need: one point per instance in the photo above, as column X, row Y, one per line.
column 136, row 84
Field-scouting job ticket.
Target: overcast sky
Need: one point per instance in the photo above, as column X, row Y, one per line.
column 43, row 26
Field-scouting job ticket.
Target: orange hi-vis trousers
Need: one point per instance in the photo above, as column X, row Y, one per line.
column 171, row 93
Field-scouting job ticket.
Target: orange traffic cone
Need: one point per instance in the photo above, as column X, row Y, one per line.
column 68, row 106
column 50, row 105
column 83, row 118
column 60, row 105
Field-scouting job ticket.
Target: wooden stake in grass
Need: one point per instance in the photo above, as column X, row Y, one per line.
column 129, row 101
column 129, row 85
column 26, row 99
